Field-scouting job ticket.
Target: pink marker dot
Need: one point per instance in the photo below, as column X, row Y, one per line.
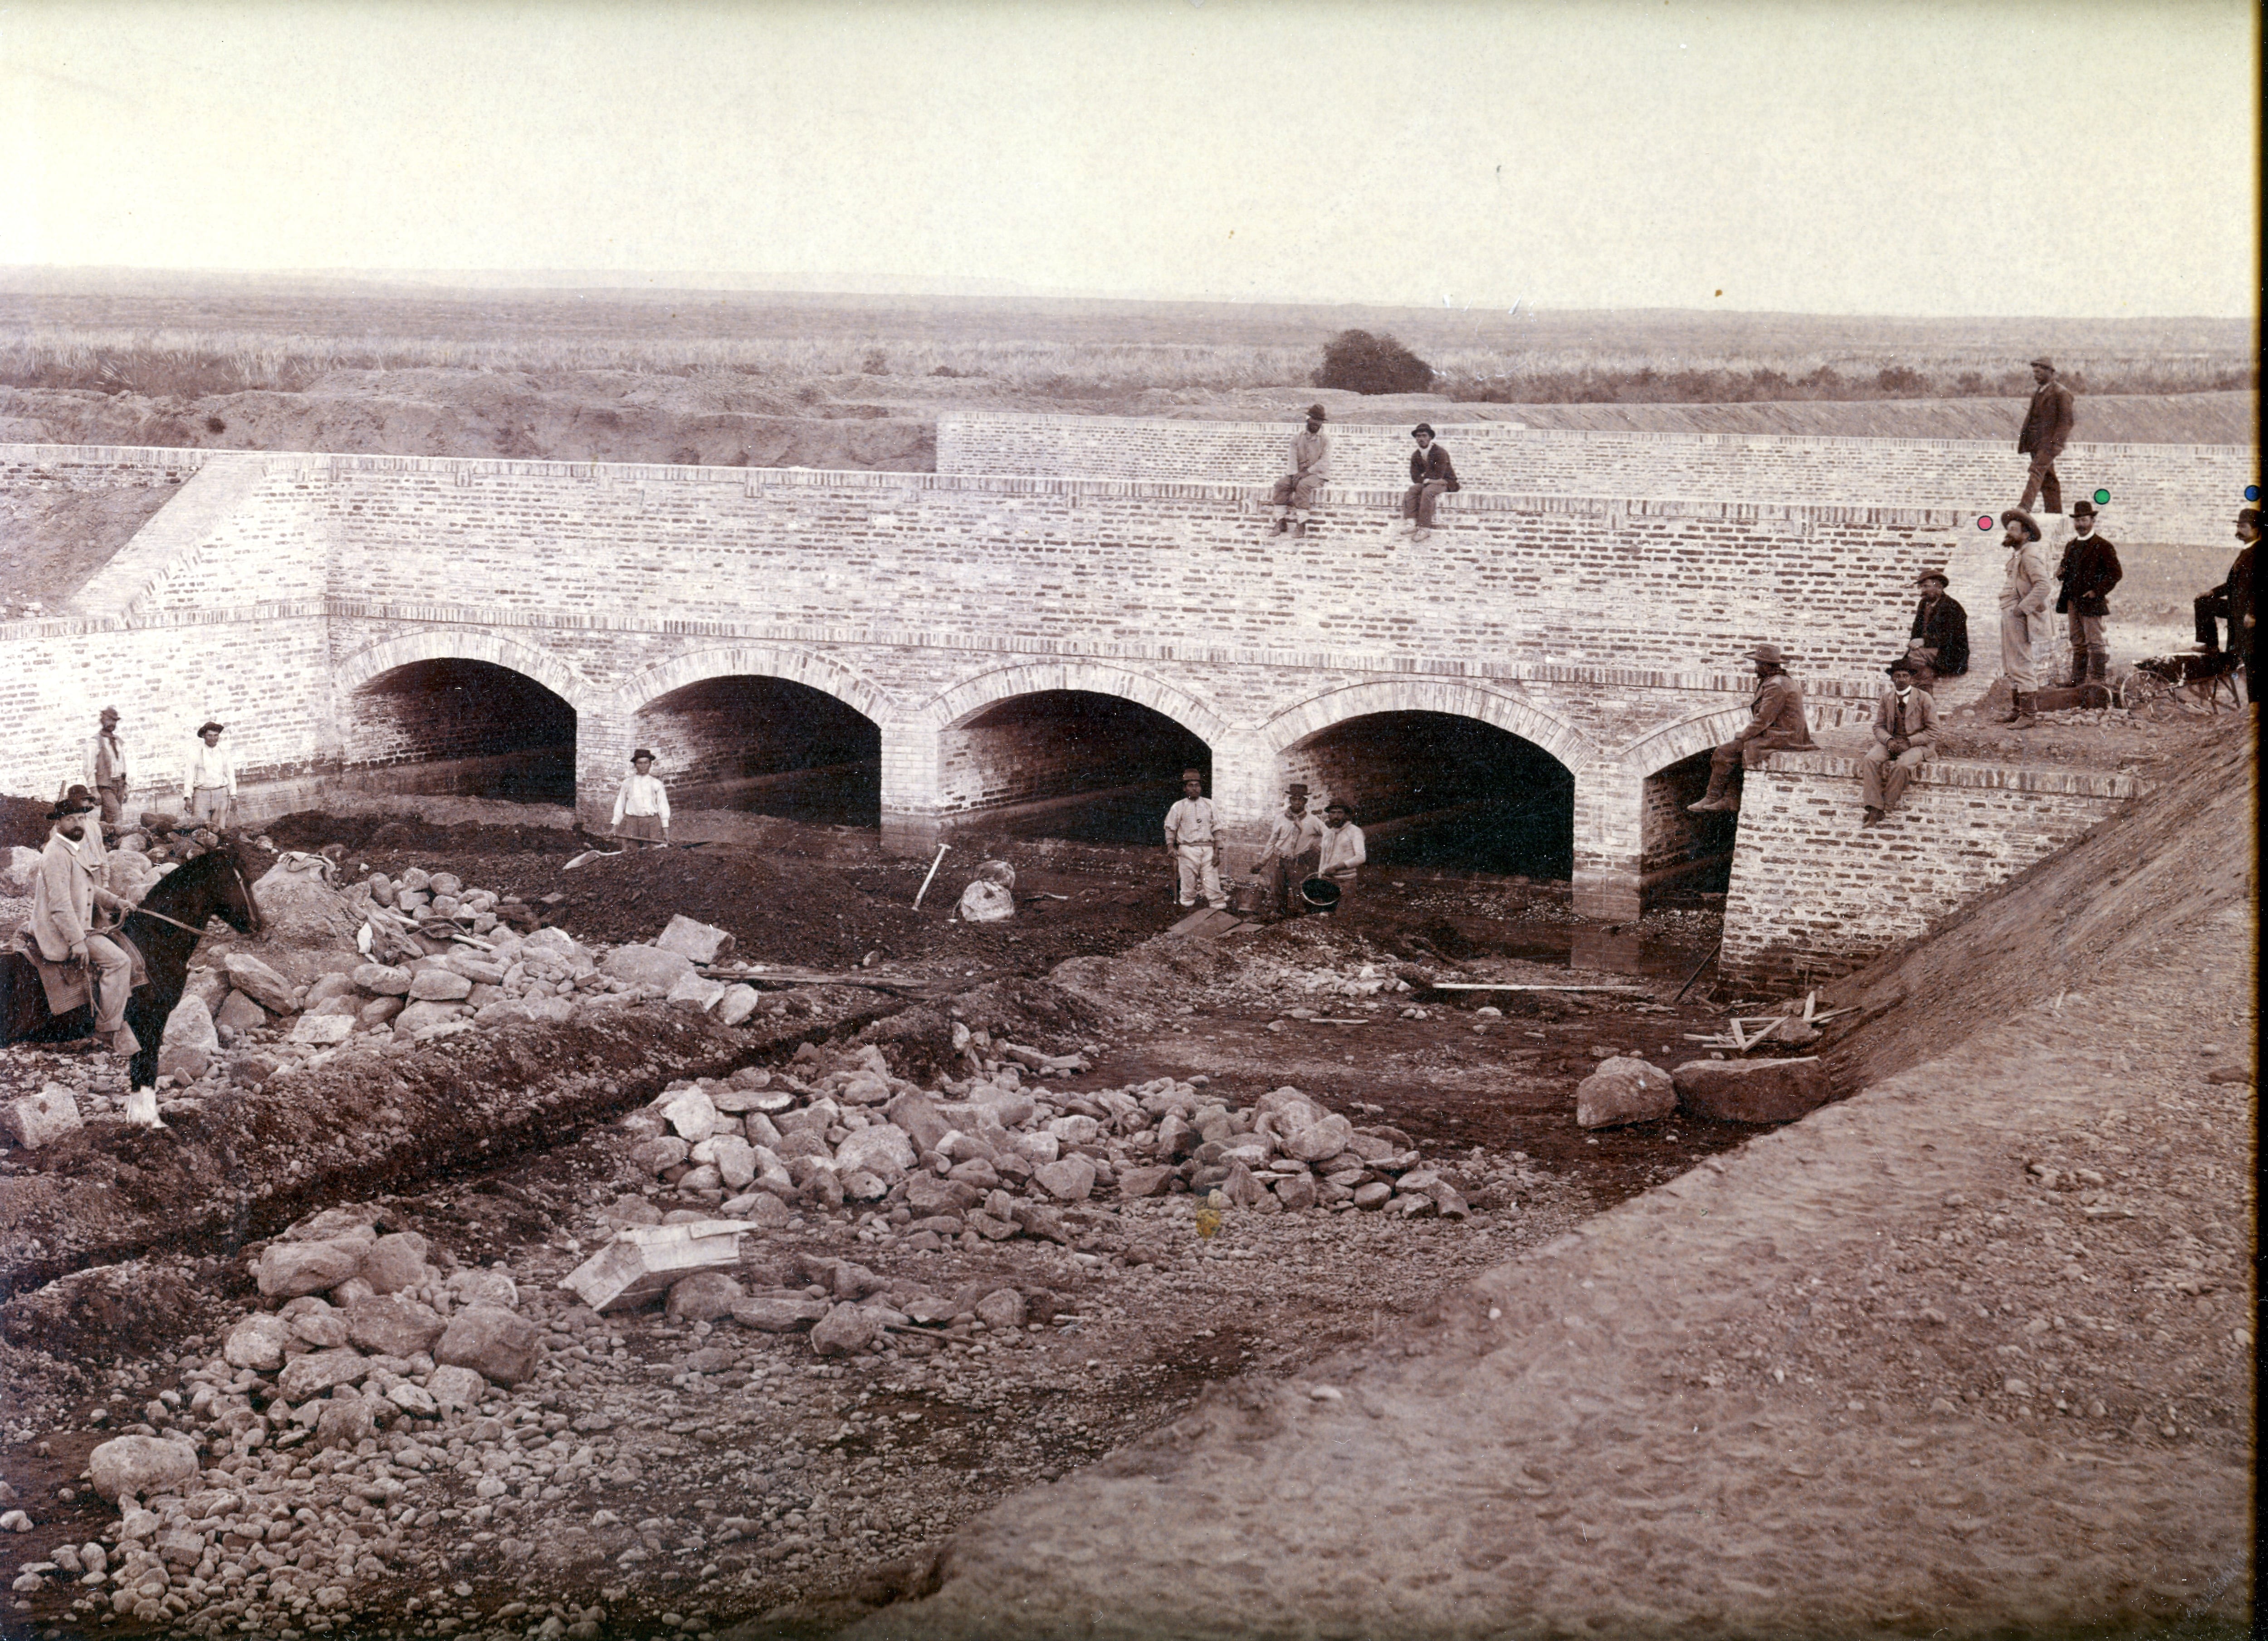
column 1984, row 521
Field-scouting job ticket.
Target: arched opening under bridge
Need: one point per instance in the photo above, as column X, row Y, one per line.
column 766, row 746
column 1071, row 763
column 468, row 727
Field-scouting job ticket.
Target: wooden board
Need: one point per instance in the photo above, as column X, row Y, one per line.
column 1205, row 924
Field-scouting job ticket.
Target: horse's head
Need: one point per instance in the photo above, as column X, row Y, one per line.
column 239, row 905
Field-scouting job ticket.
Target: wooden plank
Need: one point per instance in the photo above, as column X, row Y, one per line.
column 1487, row 986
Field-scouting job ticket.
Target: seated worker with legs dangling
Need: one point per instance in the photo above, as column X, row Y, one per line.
column 1777, row 724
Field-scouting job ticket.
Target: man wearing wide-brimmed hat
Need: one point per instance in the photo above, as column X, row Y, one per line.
column 1776, row 724
column 1940, row 625
column 2026, row 590
column 642, row 806
column 1311, row 467
column 210, row 781
column 105, row 770
column 66, row 928
column 2048, row 422
column 1294, row 844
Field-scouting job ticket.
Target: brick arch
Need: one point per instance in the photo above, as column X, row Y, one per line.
column 464, row 644
column 1454, row 696
column 964, row 700
column 829, row 677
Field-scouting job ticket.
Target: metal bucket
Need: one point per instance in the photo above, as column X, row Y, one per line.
column 1320, row 893
column 1248, row 898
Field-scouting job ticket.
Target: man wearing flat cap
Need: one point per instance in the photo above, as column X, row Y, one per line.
column 1311, row 467
column 641, row 805
column 1432, row 476
column 1775, row 724
column 2089, row 570
column 2025, row 589
column 67, row 928
column 2048, row 422
column 1193, row 844
column 1940, row 625
column 105, row 770
column 210, row 782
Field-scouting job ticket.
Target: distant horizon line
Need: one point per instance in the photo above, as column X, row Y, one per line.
column 500, row 281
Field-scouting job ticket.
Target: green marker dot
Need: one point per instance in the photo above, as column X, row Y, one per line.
column 2100, row 497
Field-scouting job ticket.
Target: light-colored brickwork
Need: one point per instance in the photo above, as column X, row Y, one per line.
column 1815, row 894
column 2158, row 493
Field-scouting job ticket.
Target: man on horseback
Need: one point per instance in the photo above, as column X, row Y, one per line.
column 67, row 926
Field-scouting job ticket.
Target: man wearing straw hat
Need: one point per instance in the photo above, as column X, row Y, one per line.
column 209, row 780
column 2025, row 592
column 642, row 806
column 1311, row 466
column 1776, row 723
column 1192, row 834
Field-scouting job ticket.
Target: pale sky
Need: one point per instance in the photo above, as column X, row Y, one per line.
column 1854, row 155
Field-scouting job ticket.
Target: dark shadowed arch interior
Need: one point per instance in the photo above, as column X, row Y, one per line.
column 1068, row 764
column 1437, row 789
column 465, row 727
column 1679, row 851
column 768, row 746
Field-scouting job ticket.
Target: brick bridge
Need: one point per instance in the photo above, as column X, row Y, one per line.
column 970, row 646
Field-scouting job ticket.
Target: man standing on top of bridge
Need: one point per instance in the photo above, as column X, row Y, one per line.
column 1311, row 466
column 1192, row 844
column 2048, row 422
column 2025, row 591
column 1432, row 476
column 1940, row 625
column 1776, row 724
column 2088, row 573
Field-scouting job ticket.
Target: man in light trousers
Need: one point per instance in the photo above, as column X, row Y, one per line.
column 1192, row 843
column 2027, row 589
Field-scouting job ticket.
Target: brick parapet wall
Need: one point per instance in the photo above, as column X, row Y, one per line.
column 2158, row 493
column 1814, row 894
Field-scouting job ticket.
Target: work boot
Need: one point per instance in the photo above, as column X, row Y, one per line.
column 2078, row 669
column 1872, row 817
column 2023, row 718
column 2098, row 666
column 1718, row 798
column 1300, row 528
column 1283, row 523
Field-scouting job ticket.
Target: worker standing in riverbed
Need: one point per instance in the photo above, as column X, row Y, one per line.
column 1344, row 853
column 642, row 807
column 1192, row 844
column 1293, row 844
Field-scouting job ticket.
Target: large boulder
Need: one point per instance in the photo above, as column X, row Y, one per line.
column 383, row 980
column 308, row 929
column 288, row 1269
column 423, row 1016
column 320, row 1371
column 1624, row 1090
column 187, row 1047
column 704, row 1297
column 439, row 985
column 696, row 992
column 346, row 1422
column 698, row 943
column 40, row 1118
column 1752, row 1091
column 1070, row 1180
column 501, row 1346
column 23, row 865
column 395, row 1262
column 737, row 1004
column 1319, row 1141
column 1144, row 1181
column 645, row 966
column 845, row 1330
column 884, row 1149
column 257, row 1342
column 126, row 1468
column 689, row 1112
column 393, row 1325
column 769, row 1314
column 258, row 982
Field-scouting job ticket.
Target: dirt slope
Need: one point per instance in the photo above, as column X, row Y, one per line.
column 51, row 542
column 1967, row 1353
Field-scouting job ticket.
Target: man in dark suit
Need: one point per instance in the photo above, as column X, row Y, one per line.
column 2047, row 429
column 1940, row 625
column 2090, row 569
column 1431, row 478
column 2233, row 600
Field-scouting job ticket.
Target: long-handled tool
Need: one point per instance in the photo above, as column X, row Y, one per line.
column 1696, row 975
column 933, row 865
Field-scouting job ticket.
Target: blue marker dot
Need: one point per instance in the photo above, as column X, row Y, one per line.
column 2252, row 492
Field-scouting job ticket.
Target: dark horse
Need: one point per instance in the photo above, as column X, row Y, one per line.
column 212, row 884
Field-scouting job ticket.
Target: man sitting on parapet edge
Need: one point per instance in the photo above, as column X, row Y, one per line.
column 1940, row 625
column 1311, row 465
column 1775, row 725
column 1905, row 738
column 1432, row 476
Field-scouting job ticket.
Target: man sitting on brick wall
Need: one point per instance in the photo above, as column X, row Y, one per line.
column 1311, row 465
column 2233, row 601
column 1777, row 724
column 1432, row 476
column 1940, row 625
column 1905, row 738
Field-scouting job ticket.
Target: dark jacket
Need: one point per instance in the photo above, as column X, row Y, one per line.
column 1431, row 466
column 2049, row 421
column 1944, row 627
column 2240, row 590
column 2088, row 571
column 1778, row 719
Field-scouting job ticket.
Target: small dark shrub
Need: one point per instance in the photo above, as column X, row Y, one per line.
column 1355, row 361
column 214, row 425
column 877, row 363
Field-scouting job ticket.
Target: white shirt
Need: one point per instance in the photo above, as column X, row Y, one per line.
column 1189, row 821
column 1288, row 838
column 210, row 767
column 642, row 795
column 1343, row 850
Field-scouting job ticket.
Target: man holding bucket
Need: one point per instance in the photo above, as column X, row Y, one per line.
column 1343, row 850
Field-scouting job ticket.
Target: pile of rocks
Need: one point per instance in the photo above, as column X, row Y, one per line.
column 454, row 982
column 989, row 1159
column 370, row 1349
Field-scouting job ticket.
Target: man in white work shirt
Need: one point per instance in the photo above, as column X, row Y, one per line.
column 1293, row 843
column 1192, row 845
column 1343, row 849
column 642, row 808
column 208, row 786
